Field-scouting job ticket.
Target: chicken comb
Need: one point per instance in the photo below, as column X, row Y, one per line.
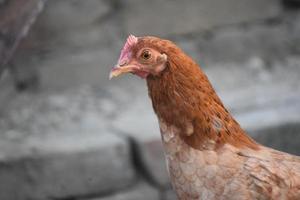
column 130, row 42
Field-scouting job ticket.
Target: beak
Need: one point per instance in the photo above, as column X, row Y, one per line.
column 118, row 70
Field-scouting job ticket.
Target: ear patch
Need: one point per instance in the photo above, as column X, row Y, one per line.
column 162, row 58
column 130, row 42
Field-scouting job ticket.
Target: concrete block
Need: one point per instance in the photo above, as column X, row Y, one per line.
column 16, row 19
column 254, row 85
column 169, row 195
column 291, row 4
column 139, row 122
column 71, row 25
column 60, row 146
column 238, row 44
column 73, row 42
column 264, row 100
column 179, row 17
column 61, row 166
column 277, row 127
column 283, row 137
column 295, row 32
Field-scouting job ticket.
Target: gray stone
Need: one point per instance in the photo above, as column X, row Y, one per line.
column 87, row 67
column 284, row 137
column 138, row 192
column 295, row 32
column 74, row 42
column 16, row 18
column 70, row 15
column 65, row 165
column 59, row 146
column 238, row 44
column 84, row 109
column 178, row 17
column 254, row 85
column 264, row 100
column 139, row 122
column 169, row 195
column 74, row 25
column 291, row 4
column 276, row 126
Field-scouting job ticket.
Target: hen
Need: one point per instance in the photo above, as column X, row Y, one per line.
column 209, row 155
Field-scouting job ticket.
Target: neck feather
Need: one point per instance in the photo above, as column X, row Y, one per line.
column 182, row 96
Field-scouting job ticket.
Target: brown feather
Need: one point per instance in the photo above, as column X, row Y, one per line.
column 183, row 95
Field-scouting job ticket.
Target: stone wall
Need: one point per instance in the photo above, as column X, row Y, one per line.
column 72, row 134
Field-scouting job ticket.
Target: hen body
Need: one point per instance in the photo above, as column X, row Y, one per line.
column 229, row 173
column 209, row 155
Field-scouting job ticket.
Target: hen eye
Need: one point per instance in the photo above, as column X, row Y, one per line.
column 146, row 55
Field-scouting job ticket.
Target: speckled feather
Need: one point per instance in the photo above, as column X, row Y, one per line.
column 229, row 172
column 209, row 155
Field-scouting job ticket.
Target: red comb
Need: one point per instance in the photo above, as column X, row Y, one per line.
column 130, row 42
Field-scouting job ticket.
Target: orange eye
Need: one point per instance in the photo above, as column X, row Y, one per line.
column 146, row 55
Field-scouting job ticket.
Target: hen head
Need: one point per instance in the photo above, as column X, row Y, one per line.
column 140, row 56
column 181, row 93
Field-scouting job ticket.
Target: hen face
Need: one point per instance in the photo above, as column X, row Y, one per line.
column 139, row 60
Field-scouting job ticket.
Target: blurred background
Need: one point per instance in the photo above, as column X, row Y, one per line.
column 67, row 133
